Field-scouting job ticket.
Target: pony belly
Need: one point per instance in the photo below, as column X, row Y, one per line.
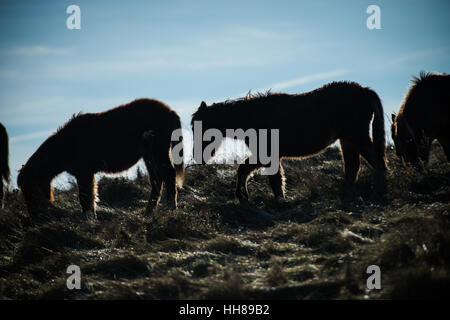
column 111, row 158
column 116, row 165
column 302, row 152
column 299, row 146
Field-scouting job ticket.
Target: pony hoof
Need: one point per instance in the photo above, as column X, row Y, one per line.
column 149, row 211
column 244, row 201
column 172, row 206
column 242, row 198
column 279, row 200
column 90, row 215
column 380, row 188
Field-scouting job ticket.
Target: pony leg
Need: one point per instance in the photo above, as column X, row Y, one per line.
column 276, row 182
column 2, row 196
column 157, row 186
column 350, row 155
column 44, row 196
column 164, row 171
column 424, row 149
column 48, row 192
column 87, row 192
column 169, row 174
column 378, row 163
column 244, row 172
column 445, row 143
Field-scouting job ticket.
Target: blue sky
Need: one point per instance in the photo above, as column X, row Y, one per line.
column 183, row 52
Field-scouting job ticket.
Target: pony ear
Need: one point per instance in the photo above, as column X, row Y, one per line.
column 393, row 116
column 203, row 105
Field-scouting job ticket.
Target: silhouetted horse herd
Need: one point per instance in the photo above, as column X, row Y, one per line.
column 114, row 140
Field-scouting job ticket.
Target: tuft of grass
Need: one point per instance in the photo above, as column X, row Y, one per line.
column 276, row 275
column 40, row 242
column 419, row 283
column 121, row 192
column 179, row 225
column 314, row 244
column 228, row 245
column 323, row 237
column 202, row 267
column 129, row 266
column 230, row 287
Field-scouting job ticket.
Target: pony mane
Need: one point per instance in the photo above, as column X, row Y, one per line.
column 249, row 96
column 425, row 80
column 422, row 76
column 425, row 76
column 234, row 102
column 254, row 97
column 268, row 94
column 74, row 116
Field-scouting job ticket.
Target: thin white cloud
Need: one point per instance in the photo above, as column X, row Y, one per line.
column 47, row 111
column 31, row 136
column 303, row 80
column 39, row 50
column 163, row 59
column 230, row 48
column 283, row 85
column 411, row 56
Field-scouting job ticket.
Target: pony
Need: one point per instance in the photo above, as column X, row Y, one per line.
column 110, row 142
column 4, row 166
column 423, row 117
column 307, row 123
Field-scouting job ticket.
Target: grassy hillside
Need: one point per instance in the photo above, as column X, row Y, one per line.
column 315, row 244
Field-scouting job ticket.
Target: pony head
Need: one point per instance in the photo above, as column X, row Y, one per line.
column 200, row 113
column 35, row 190
column 402, row 135
column 202, row 120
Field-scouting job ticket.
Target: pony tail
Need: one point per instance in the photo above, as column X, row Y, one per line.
column 179, row 168
column 4, row 155
column 378, row 132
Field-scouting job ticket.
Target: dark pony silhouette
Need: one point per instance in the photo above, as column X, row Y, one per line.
column 4, row 167
column 423, row 117
column 307, row 123
column 109, row 142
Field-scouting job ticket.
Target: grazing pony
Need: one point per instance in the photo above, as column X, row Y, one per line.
column 109, row 142
column 423, row 117
column 4, row 167
column 307, row 123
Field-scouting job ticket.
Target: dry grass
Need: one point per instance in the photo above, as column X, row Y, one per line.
column 315, row 244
